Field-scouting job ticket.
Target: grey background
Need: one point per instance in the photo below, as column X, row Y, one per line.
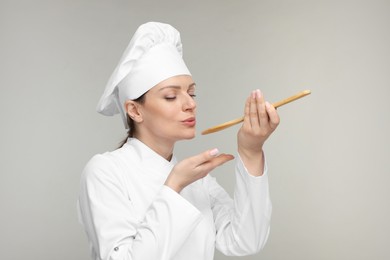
column 329, row 159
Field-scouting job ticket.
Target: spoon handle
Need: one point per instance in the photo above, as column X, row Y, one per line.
column 239, row 120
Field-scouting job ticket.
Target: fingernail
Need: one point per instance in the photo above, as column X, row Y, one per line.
column 267, row 104
column 214, row 152
column 258, row 93
column 253, row 94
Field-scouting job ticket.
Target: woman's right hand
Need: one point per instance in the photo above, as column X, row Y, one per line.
column 195, row 168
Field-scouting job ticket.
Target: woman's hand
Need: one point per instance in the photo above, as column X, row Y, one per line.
column 260, row 120
column 194, row 168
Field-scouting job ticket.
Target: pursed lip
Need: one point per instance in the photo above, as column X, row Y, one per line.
column 190, row 119
column 190, row 122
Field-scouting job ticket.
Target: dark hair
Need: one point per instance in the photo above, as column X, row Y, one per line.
column 130, row 122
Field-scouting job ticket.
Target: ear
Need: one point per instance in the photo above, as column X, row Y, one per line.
column 133, row 110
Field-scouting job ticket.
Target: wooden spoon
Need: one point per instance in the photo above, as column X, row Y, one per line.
column 239, row 120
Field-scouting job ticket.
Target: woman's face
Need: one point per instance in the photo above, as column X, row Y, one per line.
column 168, row 113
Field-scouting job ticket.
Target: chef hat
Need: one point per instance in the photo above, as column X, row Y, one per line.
column 153, row 55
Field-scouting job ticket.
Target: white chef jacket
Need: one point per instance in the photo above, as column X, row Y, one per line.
column 128, row 212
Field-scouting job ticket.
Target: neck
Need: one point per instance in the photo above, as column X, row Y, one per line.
column 162, row 147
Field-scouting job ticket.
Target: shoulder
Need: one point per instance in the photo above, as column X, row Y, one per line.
column 101, row 162
column 108, row 165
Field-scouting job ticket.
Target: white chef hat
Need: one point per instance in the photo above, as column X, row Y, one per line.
column 153, row 55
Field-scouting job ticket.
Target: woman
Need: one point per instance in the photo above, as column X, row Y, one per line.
column 138, row 202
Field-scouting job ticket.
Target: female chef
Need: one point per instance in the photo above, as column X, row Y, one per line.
column 138, row 202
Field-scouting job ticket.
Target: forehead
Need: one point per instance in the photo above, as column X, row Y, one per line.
column 182, row 81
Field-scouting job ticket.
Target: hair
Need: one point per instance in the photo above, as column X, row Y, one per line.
column 130, row 122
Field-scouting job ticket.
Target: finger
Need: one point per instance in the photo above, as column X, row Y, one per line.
column 253, row 113
column 204, row 157
column 261, row 109
column 215, row 162
column 273, row 115
column 221, row 159
column 246, row 112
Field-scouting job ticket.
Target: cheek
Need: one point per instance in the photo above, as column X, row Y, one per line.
column 163, row 114
column 160, row 112
column 168, row 111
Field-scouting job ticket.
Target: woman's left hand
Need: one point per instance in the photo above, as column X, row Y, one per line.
column 260, row 120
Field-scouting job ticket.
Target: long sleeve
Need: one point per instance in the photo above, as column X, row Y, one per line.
column 242, row 224
column 117, row 231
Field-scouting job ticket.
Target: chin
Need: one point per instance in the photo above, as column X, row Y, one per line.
column 188, row 136
column 192, row 137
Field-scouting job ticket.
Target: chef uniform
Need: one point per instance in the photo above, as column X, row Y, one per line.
column 124, row 206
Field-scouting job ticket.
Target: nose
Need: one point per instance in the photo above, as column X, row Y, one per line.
column 189, row 103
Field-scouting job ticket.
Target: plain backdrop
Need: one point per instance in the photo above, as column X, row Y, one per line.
column 328, row 160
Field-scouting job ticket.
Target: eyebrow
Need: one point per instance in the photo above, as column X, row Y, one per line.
column 177, row 87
